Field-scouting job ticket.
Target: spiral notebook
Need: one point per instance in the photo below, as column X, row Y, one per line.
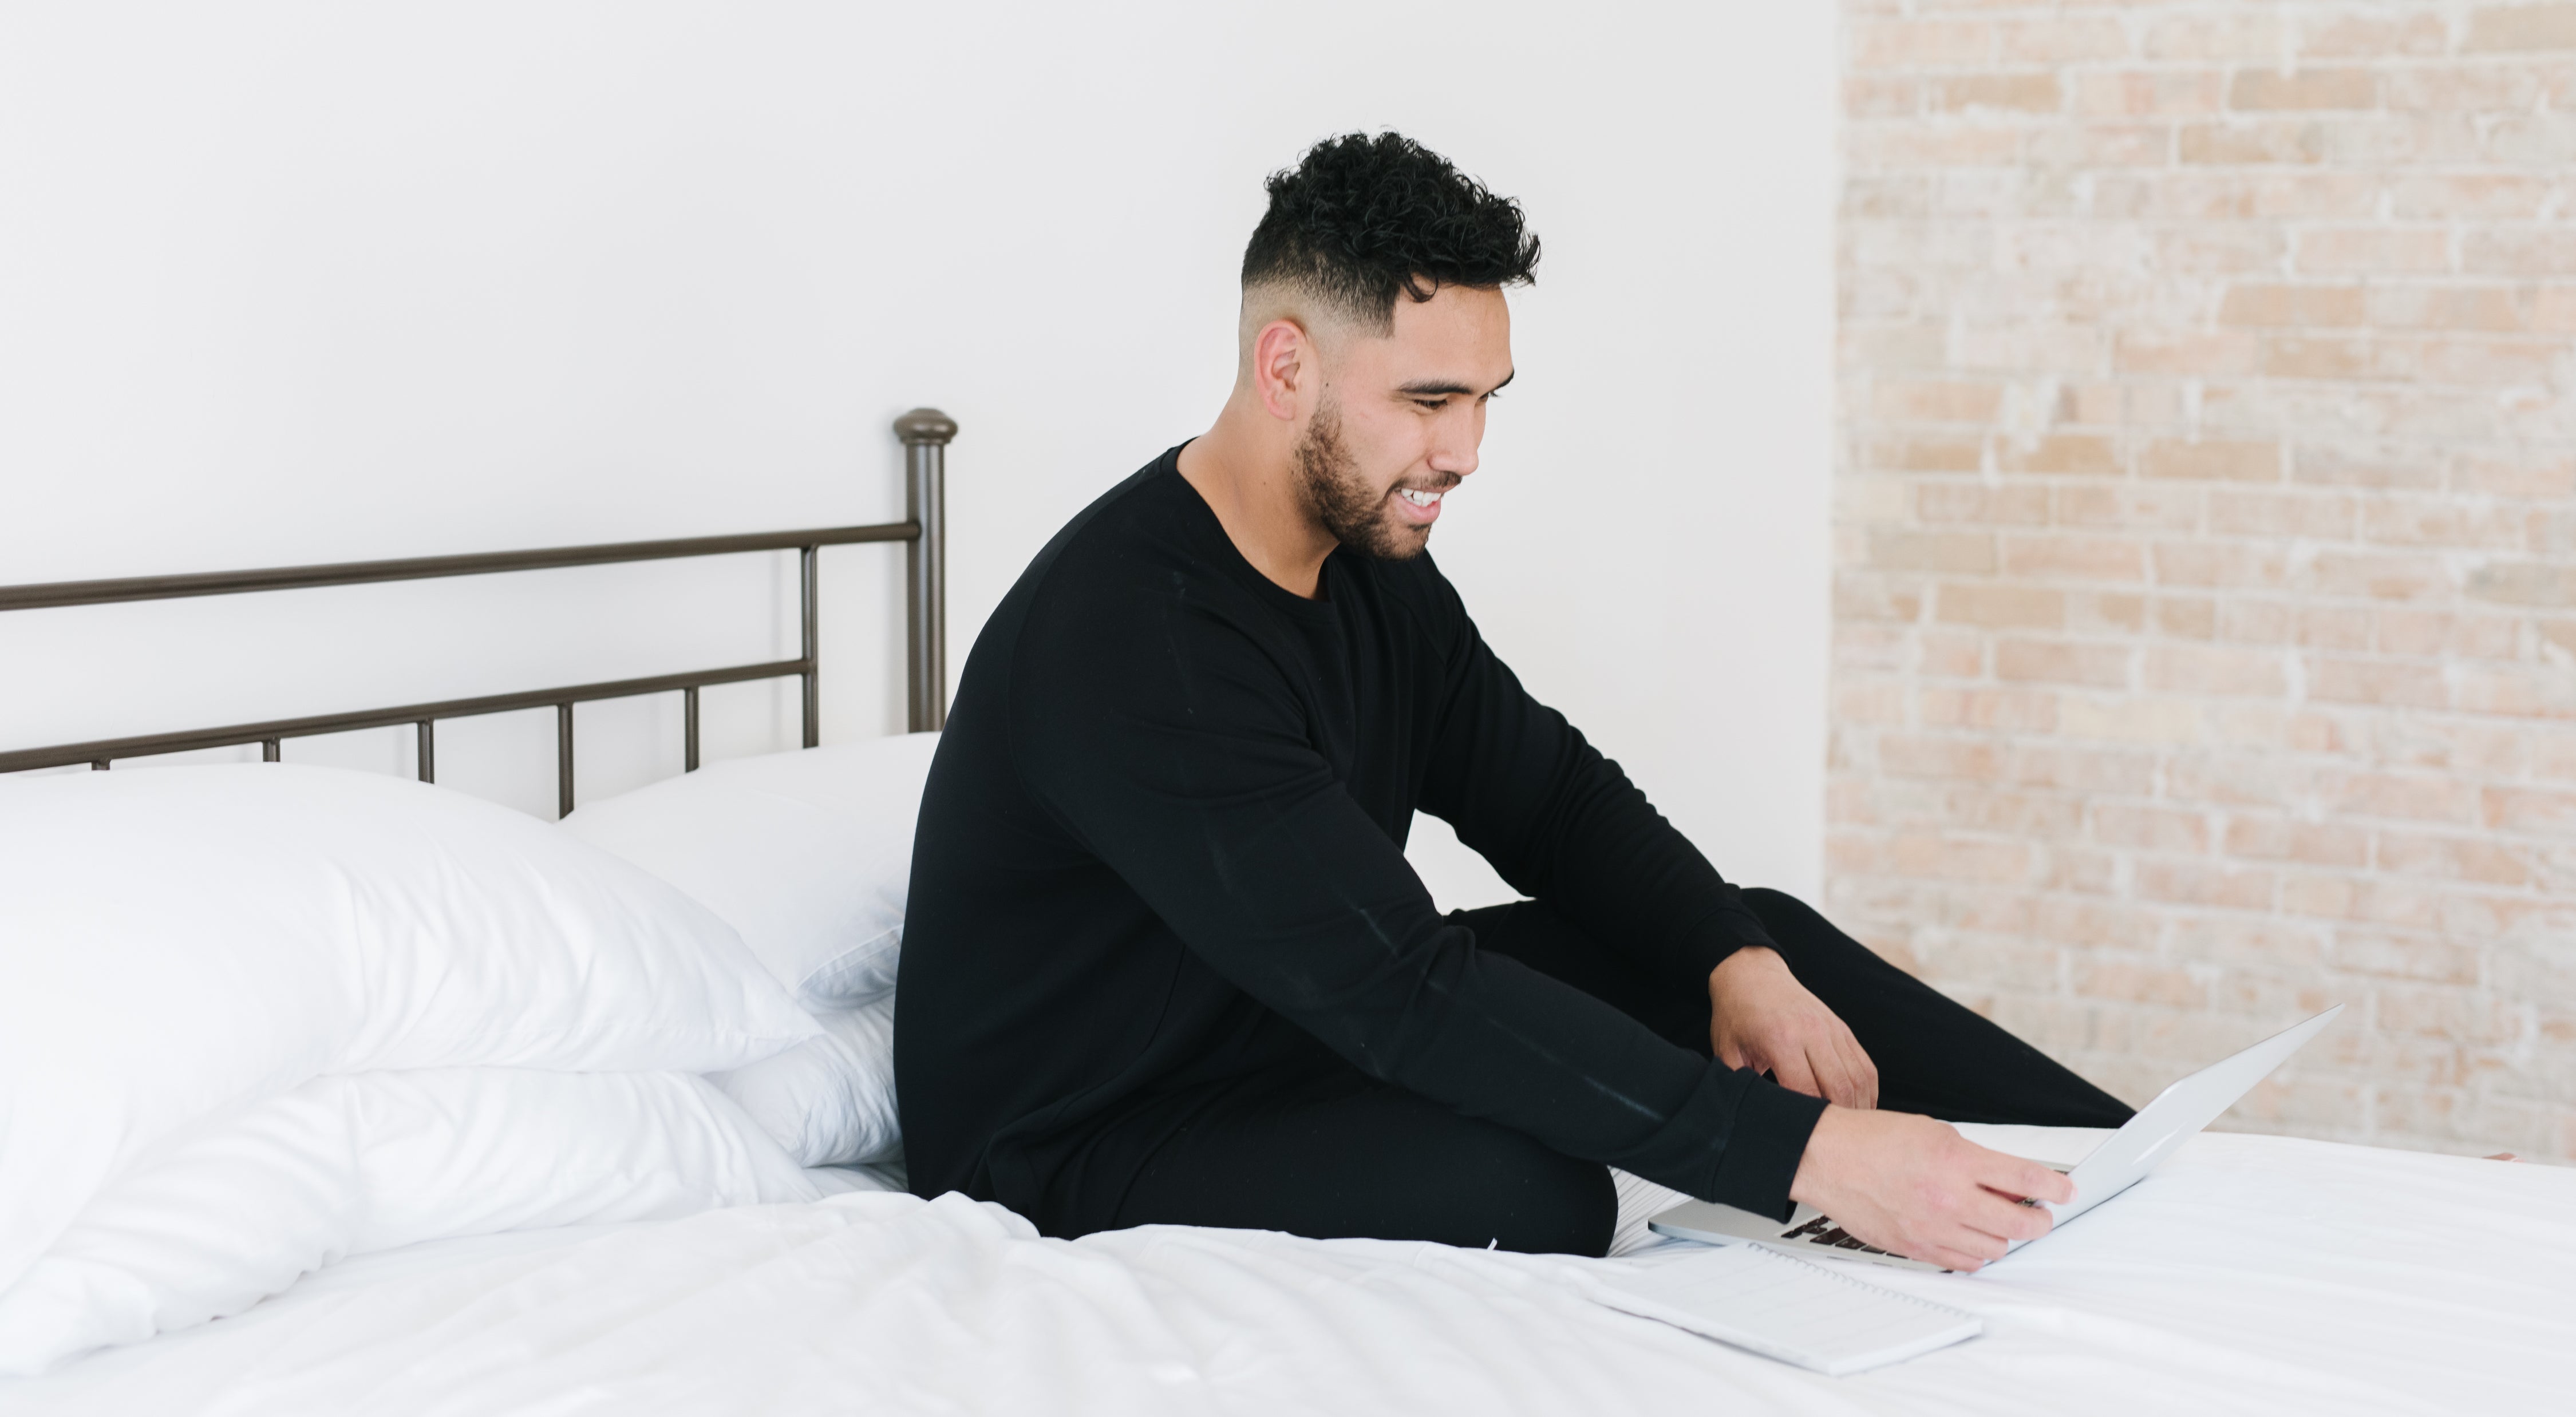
column 1781, row 1307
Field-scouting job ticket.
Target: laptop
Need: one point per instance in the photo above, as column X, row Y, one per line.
column 2121, row 1161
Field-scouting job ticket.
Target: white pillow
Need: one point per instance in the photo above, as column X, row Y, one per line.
column 808, row 854
column 349, row 1164
column 829, row 1100
column 179, row 941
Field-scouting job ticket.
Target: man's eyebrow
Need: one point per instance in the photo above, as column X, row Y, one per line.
column 1432, row 388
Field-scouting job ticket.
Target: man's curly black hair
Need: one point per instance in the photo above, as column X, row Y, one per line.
column 1361, row 218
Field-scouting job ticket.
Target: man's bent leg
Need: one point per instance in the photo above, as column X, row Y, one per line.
column 1934, row 1055
column 1343, row 1156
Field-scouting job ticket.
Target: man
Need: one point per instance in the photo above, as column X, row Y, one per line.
column 1165, row 961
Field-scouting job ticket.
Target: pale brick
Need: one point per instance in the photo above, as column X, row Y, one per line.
column 1925, row 453
column 2371, row 36
column 2064, row 453
column 2463, row 88
column 2399, row 140
column 2425, row 521
column 2264, row 303
column 2275, row 838
column 2465, row 858
column 2379, row 575
column 2344, row 679
column 2311, row 194
column 2542, row 584
column 2182, row 881
column 2439, row 307
column 2014, row 504
column 1861, row 597
column 2019, row 607
column 2112, row 612
column 2061, row 41
column 2219, row 460
column 2130, row 506
column 2243, row 34
column 2520, row 28
column 1881, row 95
column 2326, row 515
column 1944, row 551
column 2243, row 144
column 1921, row 44
column 2080, row 768
column 1913, row 755
column 2262, row 622
column 2192, row 617
column 2130, row 720
column 2150, row 93
column 2376, row 249
column 2335, row 627
column 2219, row 565
column 2384, row 466
column 2062, row 662
column 2082, row 558
column 2184, row 352
column 2017, row 710
column 2303, row 89
column 1951, row 654
column 1937, row 400
column 2494, row 362
column 2509, row 252
column 2460, row 196
column 2191, row 669
column 2148, row 828
column 2291, row 357
column 2434, row 632
column 2002, row 93
column 2531, row 810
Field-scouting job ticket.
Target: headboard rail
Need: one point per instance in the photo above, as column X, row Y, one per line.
column 925, row 434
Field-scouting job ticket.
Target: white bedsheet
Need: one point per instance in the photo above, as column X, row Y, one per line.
column 2251, row 1274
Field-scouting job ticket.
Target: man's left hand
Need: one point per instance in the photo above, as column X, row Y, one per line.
column 1761, row 1017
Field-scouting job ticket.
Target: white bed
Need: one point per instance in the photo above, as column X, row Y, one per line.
column 261, row 1022
column 2252, row 1274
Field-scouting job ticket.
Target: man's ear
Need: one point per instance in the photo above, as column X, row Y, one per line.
column 1286, row 369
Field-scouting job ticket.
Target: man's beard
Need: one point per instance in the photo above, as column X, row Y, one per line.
column 1356, row 514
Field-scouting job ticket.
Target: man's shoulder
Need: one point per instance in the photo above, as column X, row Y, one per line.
column 1416, row 586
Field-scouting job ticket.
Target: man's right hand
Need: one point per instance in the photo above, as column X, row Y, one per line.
column 1915, row 1187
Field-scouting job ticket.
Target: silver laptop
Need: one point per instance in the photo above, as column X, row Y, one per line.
column 2121, row 1161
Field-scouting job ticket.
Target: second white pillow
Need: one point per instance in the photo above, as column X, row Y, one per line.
column 830, row 1100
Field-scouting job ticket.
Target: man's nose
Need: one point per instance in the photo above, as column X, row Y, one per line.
column 1453, row 442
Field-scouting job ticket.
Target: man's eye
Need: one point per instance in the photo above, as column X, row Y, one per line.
column 1432, row 405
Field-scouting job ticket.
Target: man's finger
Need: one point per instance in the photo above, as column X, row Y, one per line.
column 1834, row 1073
column 1864, row 1072
column 2016, row 1177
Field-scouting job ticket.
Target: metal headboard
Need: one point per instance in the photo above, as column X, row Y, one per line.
column 925, row 433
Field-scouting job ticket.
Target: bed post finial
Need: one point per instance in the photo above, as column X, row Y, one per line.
column 925, row 433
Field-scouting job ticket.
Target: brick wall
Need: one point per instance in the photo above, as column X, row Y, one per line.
column 2205, row 628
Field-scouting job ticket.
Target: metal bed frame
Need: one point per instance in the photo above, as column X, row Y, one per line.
column 925, row 433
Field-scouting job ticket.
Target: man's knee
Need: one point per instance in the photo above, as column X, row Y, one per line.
column 1521, row 1196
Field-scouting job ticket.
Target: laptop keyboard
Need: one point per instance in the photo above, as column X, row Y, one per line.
column 1823, row 1231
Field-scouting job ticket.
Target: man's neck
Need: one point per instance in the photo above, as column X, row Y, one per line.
column 1245, row 468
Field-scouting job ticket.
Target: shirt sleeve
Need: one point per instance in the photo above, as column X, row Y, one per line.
column 1170, row 742
column 1563, row 824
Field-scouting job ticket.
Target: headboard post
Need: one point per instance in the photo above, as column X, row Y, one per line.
column 925, row 433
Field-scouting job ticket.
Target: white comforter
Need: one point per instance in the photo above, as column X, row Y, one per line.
column 2250, row 1274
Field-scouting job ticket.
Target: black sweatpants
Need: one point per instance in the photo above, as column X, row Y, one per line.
column 1335, row 1153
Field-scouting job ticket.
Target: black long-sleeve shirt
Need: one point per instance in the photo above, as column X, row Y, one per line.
column 1162, row 846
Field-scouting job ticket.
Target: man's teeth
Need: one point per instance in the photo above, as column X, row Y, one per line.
column 1419, row 499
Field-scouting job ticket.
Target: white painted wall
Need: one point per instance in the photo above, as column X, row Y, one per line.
column 288, row 283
